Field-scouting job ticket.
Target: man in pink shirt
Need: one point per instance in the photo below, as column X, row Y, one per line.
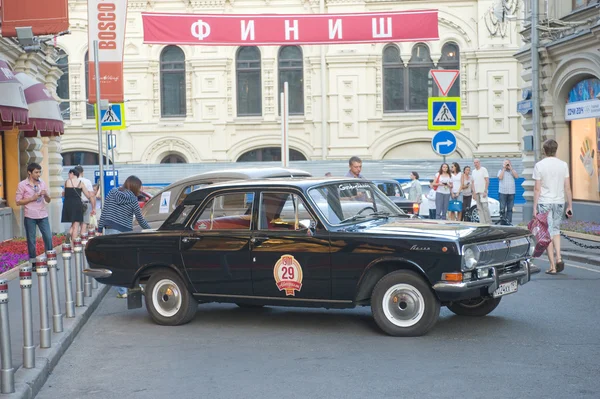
column 31, row 194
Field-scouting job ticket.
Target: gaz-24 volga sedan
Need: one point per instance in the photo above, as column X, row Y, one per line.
column 334, row 243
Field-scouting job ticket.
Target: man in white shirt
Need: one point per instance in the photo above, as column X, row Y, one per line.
column 481, row 182
column 90, row 207
column 552, row 184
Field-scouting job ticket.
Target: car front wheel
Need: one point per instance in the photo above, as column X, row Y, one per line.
column 477, row 307
column 168, row 300
column 403, row 304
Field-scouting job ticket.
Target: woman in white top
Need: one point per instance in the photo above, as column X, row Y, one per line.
column 455, row 194
column 443, row 185
column 467, row 191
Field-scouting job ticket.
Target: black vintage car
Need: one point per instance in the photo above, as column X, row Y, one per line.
column 335, row 243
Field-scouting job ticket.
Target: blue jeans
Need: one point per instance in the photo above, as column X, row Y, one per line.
column 507, row 201
column 432, row 214
column 30, row 233
column 120, row 290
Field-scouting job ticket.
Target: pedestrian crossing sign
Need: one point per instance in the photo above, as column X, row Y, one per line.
column 113, row 118
column 443, row 113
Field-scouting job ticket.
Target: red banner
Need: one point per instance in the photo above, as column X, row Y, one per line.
column 107, row 19
column 46, row 17
column 258, row 29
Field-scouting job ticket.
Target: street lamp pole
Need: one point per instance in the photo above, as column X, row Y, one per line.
column 535, row 84
column 98, row 124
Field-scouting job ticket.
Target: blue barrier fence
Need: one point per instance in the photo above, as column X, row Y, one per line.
column 493, row 189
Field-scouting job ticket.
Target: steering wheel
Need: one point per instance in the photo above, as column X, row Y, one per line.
column 366, row 208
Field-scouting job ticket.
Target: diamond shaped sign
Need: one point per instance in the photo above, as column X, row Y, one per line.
column 444, row 79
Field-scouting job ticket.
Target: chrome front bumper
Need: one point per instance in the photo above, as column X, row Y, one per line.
column 97, row 273
column 523, row 275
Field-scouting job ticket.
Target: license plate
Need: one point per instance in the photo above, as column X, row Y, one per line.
column 506, row 288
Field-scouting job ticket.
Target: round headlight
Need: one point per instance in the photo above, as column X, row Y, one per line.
column 469, row 259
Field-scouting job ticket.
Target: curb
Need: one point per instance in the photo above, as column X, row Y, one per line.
column 28, row 382
column 590, row 260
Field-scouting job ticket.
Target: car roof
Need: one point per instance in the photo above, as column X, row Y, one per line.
column 302, row 183
column 385, row 181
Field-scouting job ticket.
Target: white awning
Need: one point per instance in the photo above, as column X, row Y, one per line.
column 13, row 106
column 44, row 111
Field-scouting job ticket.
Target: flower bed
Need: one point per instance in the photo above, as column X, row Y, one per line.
column 581, row 227
column 13, row 252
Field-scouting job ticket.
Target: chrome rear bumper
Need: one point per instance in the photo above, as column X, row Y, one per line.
column 97, row 273
column 523, row 275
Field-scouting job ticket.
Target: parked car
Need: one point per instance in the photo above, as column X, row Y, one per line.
column 316, row 242
column 158, row 208
column 143, row 198
column 394, row 192
column 470, row 216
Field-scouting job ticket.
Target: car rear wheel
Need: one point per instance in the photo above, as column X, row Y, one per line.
column 472, row 215
column 168, row 300
column 403, row 304
column 476, row 307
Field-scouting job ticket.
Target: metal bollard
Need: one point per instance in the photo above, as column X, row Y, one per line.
column 78, row 249
column 57, row 317
column 96, row 233
column 7, row 374
column 41, row 268
column 87, row 286
column 67, row 253
column 28, row 344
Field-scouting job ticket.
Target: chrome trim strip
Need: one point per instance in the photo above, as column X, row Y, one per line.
column 272, row 297
column 97, row 273
column 523, row 275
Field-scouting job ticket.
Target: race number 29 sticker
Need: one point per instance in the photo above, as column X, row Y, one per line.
column 288, row 275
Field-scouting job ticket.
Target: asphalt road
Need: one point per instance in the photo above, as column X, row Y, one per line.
column 543, row 342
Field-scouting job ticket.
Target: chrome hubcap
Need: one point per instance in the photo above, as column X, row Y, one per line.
column 166, row 297
column 403, row 305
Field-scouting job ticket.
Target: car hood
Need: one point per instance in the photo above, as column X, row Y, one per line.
column 463, row 232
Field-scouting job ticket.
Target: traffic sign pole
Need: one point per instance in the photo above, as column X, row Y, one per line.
column 100, row 149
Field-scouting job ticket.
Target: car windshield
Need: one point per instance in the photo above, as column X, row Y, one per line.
column 350, row 202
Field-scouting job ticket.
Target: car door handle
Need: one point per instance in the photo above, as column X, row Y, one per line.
column 258, row 240
column 189, row 239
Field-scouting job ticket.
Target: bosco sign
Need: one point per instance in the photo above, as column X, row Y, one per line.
column 107, row 20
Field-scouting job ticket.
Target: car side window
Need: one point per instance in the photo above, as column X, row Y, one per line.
column 282, row 211
column 231, row 211
column 185, row 192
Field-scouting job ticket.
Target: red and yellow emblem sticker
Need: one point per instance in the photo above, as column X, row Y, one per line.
column 288, row 275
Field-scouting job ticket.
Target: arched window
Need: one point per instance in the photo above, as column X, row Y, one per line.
column 173, row 158
column 451, row 60
column 393, row 80
column 419, row 78
column 290, row 70
column 269, row 154
column 81, row 158
column 62, row 86
column 89, row 108
column 249, row 95
column 172, row 82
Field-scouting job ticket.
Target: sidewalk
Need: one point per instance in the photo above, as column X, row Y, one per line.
column 29, row 381
column 576, row 253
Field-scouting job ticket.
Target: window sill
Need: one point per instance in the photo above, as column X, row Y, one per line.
column 249, row 119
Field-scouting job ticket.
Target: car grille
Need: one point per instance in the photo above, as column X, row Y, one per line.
column 500, row 252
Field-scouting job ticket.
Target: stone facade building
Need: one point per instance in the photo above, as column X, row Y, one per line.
column 569, row 89
column 215, row 104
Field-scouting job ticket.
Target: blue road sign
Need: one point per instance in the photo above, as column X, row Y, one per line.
column 444, row 143
column 443, row 113
column 113, row 118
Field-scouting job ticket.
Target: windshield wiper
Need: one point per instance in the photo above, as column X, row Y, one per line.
column 380, row 215
column 353, row 218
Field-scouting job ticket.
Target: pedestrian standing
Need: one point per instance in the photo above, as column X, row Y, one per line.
column 552, row 185
column 32, row 195
column 467, row 192
column 90, row 204
column 73, row 206
column 456, row 192
column 431, row 195
column 507, row 191
column 442, row 184
column 120, row 206
column 355, row 164
column 481, row 182
column 415, row 192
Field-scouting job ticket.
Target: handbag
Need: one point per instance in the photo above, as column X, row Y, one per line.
column 437, row 180
column 455, row 206
column 538, row 226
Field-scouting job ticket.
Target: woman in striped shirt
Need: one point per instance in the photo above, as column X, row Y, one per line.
column 120, row 206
